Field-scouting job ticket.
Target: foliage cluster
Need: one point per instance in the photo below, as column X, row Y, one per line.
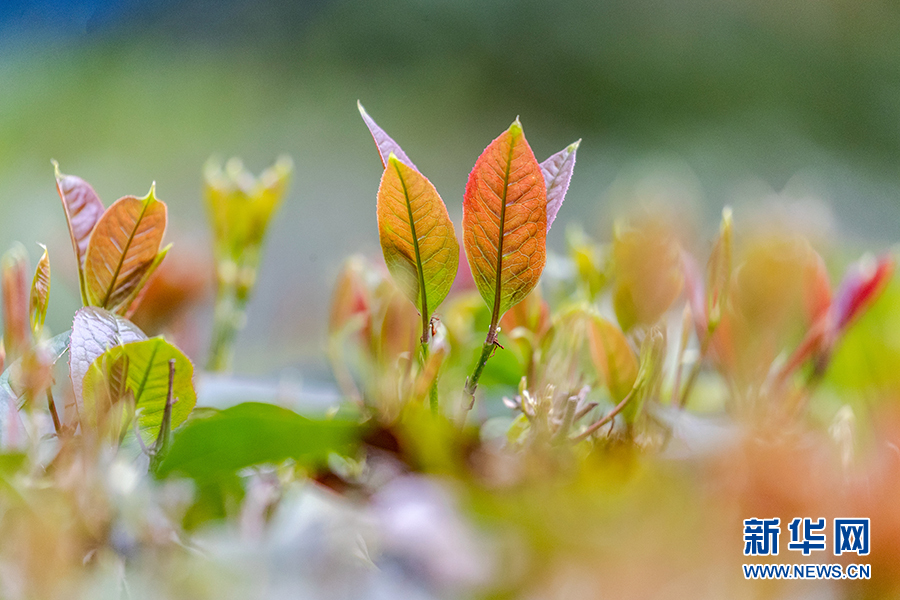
column 648, row 404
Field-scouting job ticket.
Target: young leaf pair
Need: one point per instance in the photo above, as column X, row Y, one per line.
column 116, row 249
column 509, row 204
column 118, row 374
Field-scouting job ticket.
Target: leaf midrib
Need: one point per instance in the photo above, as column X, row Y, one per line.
column 495, row 317
column 415, row 239
column 124, row 253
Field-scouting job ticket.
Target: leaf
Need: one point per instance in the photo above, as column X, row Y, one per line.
column 124, row 245
column 16, row 334
column 557, row 172
column 718, row 268
column 350, row 302
column 40, row 293
column 133, row 300
column 863, row 283
column 147, row 379
column 505, row 222
column 95, row 331
column 647, row 264
column 83, row 210
column 383, row 141
column 612, row 356
column 10, row 387
column 209, row 448
column 417, row 236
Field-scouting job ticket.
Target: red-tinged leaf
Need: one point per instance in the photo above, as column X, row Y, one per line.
column 350, row 301
column 124, row 245
column 94, row 331
column 612, row 356
column 83, row 209
column 817, row 288
column 505, row 222
column 417, row 236
column 398, row 330
column 557, row 171
column 40, row 293
column 131, row 302
column 861, row 286
column 16, row 333
column 383, row 141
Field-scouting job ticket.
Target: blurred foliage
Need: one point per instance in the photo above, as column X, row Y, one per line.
column 659, row 386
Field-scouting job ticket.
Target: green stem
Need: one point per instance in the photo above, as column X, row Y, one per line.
column 232, row 296
column 472, row 381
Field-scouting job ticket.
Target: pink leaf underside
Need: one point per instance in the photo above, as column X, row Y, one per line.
column 383, row 141
column 95, row 331
column 83, row 209
column 557, row 171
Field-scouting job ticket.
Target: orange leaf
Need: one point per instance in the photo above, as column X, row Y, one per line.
column 505, row 222
column 123, row 249
column 417, row 236
column 647, row 263
column 612, row 356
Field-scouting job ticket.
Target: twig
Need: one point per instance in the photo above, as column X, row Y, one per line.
column 609, row 417
column 52, row 405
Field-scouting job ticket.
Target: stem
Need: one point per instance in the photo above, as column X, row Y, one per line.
column 229, row 317
column 609, row 417
column 432, row 390
column 52, row 405
column 472, row 381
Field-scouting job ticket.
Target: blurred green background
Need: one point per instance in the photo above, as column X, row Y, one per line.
column 756, row 103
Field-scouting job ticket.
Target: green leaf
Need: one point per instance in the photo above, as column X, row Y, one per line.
column 94, row 331
column 147, row 379
column 213, row 447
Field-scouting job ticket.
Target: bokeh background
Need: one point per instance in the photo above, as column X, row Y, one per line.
column 763, row 104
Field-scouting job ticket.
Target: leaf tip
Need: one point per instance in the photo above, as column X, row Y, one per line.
column 151, row 195
column 574, row 145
